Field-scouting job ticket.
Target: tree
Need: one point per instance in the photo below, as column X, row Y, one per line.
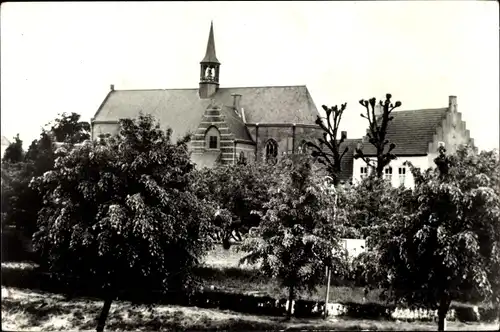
column 377, row 132
column 120, row 207
column 369, row 205
column 296, row 236
column 332, row 157
column 69, row 129
column 239, row 191
column 14, row 153
column 445, row 240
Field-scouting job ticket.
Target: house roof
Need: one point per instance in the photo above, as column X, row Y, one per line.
column 182, row 109
column 411, row 131
column 5, row 141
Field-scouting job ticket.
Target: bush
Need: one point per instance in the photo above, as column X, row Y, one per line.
column 369, row 310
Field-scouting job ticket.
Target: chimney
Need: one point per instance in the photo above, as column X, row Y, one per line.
column 236, row 101
column 112, row 87
column 343, row 134
column 243, row 115
column 452, row 104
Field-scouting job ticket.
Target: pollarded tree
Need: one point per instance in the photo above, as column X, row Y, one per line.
column 377, row 133
column 297, row 237
column 116, row 210
column 329, row 151
column 445, row 242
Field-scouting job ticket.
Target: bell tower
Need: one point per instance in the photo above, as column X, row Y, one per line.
column 209, row 69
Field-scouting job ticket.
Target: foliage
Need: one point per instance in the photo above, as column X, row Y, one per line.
column 377, row 132
column 297, row 236
column 14, row 153
column 239, row 191
column 445, row 239
column 123, row 206
column 369, row 205
column 332, row 156
column 68, row 128
column 20, row 203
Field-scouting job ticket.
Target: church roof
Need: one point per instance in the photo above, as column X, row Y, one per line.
column 411, row 131
column 182, row 109
column 210, row 54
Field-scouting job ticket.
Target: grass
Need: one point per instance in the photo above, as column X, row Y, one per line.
column 222, row 271
column 24, row 310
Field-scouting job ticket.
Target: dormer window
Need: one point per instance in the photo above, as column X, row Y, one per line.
column 212, row 139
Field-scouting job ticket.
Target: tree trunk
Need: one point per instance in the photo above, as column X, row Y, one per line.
column 444, row 305
column 290, row 299
column 104, row 314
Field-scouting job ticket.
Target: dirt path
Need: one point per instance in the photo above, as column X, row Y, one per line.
column 24, row 310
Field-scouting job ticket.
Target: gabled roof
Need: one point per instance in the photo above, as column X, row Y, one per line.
column 182, row 109
column 411, row 131
column 5, row 141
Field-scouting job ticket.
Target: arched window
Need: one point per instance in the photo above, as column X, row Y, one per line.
column 271, row 150
column 212, row 139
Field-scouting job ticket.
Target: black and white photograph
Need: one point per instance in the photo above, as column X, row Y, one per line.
column 250, row 166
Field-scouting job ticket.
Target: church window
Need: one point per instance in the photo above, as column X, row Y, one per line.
column 213, row 142
column 303, row 148
column 388, row 173
column 271, row 150
column 212, row 138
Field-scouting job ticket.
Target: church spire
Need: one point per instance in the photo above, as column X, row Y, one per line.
column 210, row 54
column 209, row 69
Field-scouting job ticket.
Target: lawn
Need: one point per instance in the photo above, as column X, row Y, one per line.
column 24, row 310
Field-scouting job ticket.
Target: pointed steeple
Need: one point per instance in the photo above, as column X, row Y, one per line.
column 210, row 54
column 209, row 69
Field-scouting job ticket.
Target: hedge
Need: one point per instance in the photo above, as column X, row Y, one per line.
column 259, row 305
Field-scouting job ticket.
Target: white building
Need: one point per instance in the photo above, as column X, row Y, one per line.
column 417, row 135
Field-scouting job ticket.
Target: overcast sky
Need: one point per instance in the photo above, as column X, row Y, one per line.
column 62, row 57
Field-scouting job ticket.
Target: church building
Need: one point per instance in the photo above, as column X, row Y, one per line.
column 227, row 124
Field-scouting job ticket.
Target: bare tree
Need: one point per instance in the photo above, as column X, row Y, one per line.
column 377, row 132
column 330, row 157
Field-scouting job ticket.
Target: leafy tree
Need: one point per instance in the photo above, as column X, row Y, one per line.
column 296, row 238
column 445, row 240
column 377, row 132
column 69, row 129
column 369, row 205
column 239, row 191
column 330, row 156
column 14, row 153
column 116, row 210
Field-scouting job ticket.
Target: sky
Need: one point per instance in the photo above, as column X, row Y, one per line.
column 62, row 57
